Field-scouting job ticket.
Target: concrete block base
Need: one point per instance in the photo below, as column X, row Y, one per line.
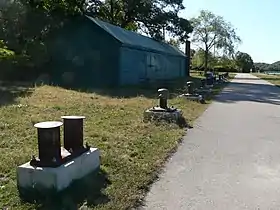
column 40, row 179
column 174, row 116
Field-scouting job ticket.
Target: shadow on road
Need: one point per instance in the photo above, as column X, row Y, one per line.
column 251, row 92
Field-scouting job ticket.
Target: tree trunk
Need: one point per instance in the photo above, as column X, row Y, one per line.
column 206, row 60
column 112, row 11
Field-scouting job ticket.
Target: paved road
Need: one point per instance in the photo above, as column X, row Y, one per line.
column 230, row 160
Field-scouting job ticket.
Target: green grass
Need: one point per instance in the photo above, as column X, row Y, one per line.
column 274, row 79
column 132, row 152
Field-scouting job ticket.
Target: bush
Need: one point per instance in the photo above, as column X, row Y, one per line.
column 20, row 67
column 17, row 68
column 224, row 69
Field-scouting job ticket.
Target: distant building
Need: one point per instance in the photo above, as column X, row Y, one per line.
column 92, row 53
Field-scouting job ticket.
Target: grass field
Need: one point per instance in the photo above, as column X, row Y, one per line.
column 274, row 79
column 132, row 152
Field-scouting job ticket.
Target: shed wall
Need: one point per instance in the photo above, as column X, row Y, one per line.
column 89, row 52
column 139, row 65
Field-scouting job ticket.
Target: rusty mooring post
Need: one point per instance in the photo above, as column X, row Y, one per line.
column 190, row 87
column 73, row 133
column 163, row 96
column 49, row 142
column 203, row 83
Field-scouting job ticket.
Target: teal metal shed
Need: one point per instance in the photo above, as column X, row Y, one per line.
column 97, row 53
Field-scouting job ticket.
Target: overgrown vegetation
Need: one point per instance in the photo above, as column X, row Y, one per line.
column 239, row 62
column 27, row 25
column 131, row 151
column 213, row 32
column 262, row 67
column 217, row 41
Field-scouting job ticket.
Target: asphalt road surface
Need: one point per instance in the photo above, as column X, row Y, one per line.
column 231, row 158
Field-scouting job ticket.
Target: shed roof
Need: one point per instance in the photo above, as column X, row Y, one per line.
column 130, row 38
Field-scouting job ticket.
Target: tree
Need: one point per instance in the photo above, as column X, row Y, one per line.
column 244, row 62
column 226, row 62
column 27, row 26
column 27, row 19
column 192, row 53
column 4, row 52
column 174, row 42
column 153, row 17
column 198, row 59
column 210, row 30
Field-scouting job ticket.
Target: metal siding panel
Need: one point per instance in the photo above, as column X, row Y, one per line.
column 156, row 66
column 102, row 69
column 137, row 65
column 161, row 66
column 132, row 66
column 85, row 52
column 184, row 71
column 173, row 68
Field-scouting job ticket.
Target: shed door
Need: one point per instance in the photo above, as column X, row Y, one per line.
column 132, row 66
column 155, row 66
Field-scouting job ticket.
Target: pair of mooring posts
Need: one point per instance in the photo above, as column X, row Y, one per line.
column 51, row 154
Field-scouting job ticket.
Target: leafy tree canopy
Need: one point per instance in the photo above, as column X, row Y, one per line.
column 210, row 30
column 244, row 62
column 174, row 42
column 267, row 67
column 150, row 16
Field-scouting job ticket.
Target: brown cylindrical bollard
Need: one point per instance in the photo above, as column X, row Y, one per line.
column 49, row 142
column 73, row 133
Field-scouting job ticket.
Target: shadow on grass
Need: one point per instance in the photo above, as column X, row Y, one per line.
column 10, row 91
column 148, row 90
column 250, row 92
column 87, row 190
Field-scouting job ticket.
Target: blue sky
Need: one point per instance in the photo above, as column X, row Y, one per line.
column 256, row 22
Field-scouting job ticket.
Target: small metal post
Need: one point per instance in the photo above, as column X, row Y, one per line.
column 49, row 142
column 190, row 87
column 209, row 80
column 73, row 133
column 203, row 82
column 163, row 96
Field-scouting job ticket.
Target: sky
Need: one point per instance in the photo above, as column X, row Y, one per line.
column 256, row 23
